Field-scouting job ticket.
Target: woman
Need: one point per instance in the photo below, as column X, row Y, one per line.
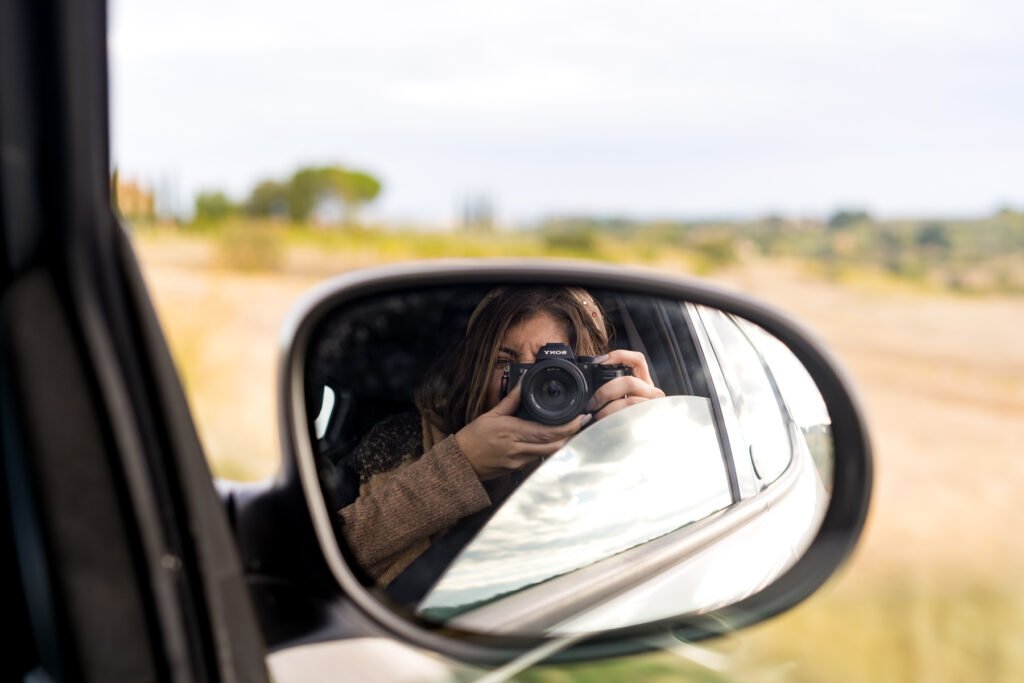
column 465, row 451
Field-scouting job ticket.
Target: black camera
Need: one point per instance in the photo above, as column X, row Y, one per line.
column 558, row 386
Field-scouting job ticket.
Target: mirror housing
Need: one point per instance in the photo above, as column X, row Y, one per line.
column 837, row 535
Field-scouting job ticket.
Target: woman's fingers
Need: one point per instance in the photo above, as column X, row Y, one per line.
column 532, row 451
column 510, row 404
column 496, row 444
column 616, row 406
column 623, row 392
column 529, row 453
column 532, row 432
column 621, row 387
column 633, row 359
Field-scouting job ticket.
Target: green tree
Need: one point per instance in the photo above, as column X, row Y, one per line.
column 847, row 217
column 213, row 206
column 355, row 188
column 310, row 186
column 305, row 190
column 269, row 198
column 934, row 236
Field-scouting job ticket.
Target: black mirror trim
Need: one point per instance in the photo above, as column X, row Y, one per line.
column 839, row 532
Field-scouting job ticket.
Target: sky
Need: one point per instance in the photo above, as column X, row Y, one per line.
column 648, row 109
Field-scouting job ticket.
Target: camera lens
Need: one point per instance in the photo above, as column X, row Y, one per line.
column 553, row 394
column 553, row 391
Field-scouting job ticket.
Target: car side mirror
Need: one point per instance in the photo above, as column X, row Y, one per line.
column 685, row 459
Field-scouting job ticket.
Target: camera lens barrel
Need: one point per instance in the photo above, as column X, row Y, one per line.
column 554, row 391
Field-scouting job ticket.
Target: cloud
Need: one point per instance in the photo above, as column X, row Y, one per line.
column 735, row 106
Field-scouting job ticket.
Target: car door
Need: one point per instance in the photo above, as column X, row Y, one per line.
column 123, row 563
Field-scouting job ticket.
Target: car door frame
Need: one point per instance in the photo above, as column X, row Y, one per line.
column 749, row 480
column 126, row 561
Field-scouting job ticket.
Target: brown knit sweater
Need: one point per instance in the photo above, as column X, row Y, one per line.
column 406, row 499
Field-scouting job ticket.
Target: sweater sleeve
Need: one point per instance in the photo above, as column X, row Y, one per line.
column 417, row 500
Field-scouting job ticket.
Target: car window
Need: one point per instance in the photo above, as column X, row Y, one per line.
column 761, row 418
column 641, row 325
column 801, row 395
column 323, row 418
column 634, row 477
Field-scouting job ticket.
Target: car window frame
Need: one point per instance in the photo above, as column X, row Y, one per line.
column 667, row 338
column 127, row 539
column 730, row 430
column 788, row 425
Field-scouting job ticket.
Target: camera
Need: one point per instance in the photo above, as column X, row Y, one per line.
column 559, row 385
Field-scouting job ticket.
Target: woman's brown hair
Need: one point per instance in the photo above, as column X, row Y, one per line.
column 455, row 390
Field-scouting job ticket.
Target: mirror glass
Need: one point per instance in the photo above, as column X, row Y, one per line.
column 553, row 460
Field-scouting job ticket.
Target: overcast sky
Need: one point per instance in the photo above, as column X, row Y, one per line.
column 646, row 108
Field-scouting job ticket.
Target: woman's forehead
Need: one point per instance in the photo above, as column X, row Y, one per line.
column 534, row 332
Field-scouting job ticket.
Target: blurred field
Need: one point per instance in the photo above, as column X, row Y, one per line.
column 934, row 592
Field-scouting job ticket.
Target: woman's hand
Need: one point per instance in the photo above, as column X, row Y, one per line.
column 625, row 391
column 497, row 442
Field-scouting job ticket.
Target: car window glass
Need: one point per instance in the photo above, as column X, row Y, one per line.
column 801, row 395
column 634, row 477
column 326, row 410
column 760, row 416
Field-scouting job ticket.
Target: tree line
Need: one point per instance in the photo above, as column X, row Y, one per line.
column 309, row 191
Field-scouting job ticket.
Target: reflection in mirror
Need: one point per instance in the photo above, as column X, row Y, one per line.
column 551, row 460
